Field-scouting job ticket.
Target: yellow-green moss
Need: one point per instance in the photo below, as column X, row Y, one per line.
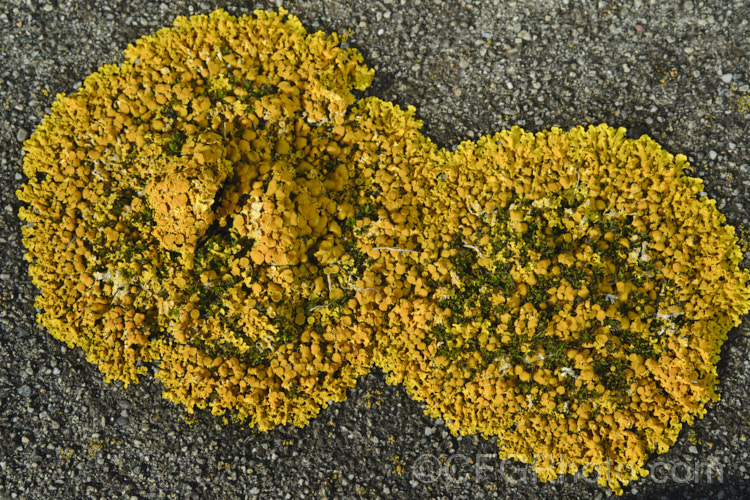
column 217, row 209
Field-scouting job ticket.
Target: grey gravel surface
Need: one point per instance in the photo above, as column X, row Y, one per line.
column 675, row 70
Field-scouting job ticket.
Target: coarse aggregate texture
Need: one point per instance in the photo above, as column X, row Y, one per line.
column 672, row 71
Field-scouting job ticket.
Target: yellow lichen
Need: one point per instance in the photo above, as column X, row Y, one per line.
column 565, row 292
column 184, row 205
column 216, row 208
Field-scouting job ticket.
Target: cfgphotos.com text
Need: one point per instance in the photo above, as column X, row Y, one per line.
column 459, row 468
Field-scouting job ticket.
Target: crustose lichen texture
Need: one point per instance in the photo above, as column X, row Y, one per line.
column 221, row 209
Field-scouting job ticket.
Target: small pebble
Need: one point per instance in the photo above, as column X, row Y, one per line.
column 21, row 134
column 24, row 391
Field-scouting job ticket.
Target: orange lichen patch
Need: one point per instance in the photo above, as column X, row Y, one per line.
column 185, row 207
column 555, row 292
column 181, row 199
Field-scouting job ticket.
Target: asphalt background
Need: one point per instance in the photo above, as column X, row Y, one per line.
column 675, row 70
